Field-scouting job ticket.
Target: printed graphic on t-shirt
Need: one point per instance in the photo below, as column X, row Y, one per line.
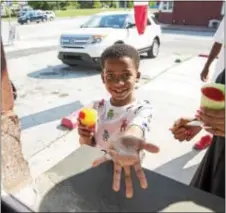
column 116, row 120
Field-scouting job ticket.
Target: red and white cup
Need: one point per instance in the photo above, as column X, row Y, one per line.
column 141, row 15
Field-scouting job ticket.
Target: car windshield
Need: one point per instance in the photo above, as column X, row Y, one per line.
column 106, row 21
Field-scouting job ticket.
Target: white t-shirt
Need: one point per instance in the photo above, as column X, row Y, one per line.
column 114, row 120
column 219, row 38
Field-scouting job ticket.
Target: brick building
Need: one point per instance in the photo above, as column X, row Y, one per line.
column 197, row 13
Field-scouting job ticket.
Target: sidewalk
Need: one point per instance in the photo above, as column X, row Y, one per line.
column 174, row 94
column 187, row 28
column 20, row 45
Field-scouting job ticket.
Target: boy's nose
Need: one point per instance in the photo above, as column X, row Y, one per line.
column 119, row 83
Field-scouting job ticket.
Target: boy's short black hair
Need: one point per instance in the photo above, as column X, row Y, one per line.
column 119, row 50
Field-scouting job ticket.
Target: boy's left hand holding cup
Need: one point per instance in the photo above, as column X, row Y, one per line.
column 124, row 151
column 86, row 134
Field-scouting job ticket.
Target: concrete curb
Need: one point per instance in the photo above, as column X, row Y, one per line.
column 188, row 29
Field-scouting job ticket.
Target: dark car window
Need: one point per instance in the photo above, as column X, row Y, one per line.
column 131, row 20
column 108, row 21
column 155, row 20
column 148, row 22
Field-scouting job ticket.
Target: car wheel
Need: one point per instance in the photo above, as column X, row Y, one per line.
column 154, row 50
column 51, row 18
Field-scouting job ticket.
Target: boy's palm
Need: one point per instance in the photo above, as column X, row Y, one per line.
column 124, row 151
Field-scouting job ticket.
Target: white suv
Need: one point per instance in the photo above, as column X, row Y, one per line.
column 86, row 44
column 50, row 15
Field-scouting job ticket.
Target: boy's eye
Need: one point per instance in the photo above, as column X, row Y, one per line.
column 110, row 76
column 125, row 76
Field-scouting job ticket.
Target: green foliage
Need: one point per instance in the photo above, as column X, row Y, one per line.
column 97, row 4
column 85, row 4
column 75, row 4
column 130, row 4
column 49, row 5
column 114, row 4
column 63, row 4
column 8, row 12
column 107, row 3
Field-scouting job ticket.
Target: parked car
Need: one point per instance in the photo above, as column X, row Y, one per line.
column 32, row 16
column 23, row 10
column 86, row 44
column 50, row 15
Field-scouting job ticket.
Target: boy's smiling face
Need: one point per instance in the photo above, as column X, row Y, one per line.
column 119, row 76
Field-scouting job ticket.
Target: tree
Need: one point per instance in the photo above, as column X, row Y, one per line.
column 35, row 4
column 97, row 4
column 114, row 4
column 107, row 3
column 76, row 4
column 130, row 4
column 85, row 4
column 151, row 4
column 63, row 4
column 48, row 5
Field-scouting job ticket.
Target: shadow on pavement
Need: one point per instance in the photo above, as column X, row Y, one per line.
column 63, row 72
column 49, row 115
column 91, row 191
column 175, row 168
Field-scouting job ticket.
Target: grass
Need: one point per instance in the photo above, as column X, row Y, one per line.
column 82, row 12
column 7, row 19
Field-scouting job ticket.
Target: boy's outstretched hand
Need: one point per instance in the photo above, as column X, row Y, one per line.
column 124, row 151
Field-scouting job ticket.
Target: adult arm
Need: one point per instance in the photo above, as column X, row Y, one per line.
column 218, row 41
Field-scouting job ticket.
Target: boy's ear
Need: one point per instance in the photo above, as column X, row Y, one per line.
column 138, row 75
column 102, row 77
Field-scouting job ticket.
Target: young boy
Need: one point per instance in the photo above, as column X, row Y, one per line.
column 123, row 113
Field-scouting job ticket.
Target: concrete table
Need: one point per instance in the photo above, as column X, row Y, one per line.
column 72, row 186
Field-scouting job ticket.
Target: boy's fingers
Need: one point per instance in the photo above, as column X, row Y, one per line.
column 128, row 182
column 149, row 147
column 82, row 126
column 101, row 160
column 113, row 153
column 85, row 133
column 141, row 176
column 117, row 177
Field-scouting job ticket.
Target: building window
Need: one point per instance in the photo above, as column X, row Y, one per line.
column 166, row 6
column 223, row 8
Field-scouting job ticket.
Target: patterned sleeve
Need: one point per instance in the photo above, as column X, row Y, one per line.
column 99, row 105
column 142, row 117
